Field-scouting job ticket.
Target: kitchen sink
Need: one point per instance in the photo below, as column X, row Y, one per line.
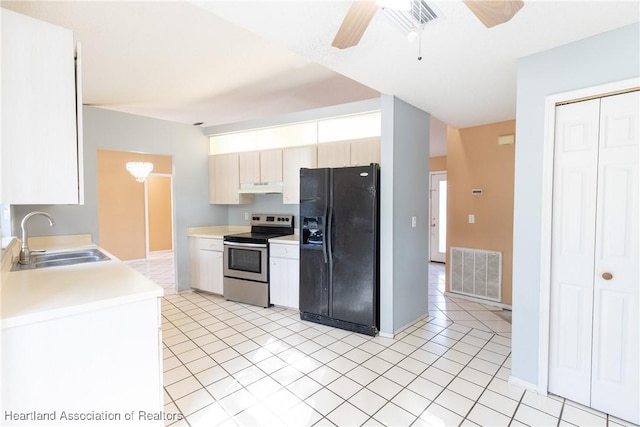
column 57, row 259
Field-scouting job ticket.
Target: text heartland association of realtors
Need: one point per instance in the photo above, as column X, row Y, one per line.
column 92, row 416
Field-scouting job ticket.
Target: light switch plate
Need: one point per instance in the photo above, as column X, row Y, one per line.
column 413, row 221
column 472, row 219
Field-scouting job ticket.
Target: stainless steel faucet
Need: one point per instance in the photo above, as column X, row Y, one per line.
column 25, row 253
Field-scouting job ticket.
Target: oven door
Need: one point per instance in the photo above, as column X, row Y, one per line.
column 246, row 261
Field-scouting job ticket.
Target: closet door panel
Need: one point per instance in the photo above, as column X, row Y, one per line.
column 573, row 245
column 616, row 323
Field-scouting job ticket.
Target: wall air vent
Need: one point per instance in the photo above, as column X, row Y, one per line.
column 476, row 273
column 414, row 19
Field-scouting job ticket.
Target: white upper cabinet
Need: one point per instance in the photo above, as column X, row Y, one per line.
column 249, row 167
column 271, row 166
column 292, row 160
column 224, row 180
column 260, row 166
column 359, row 152
column 334, row 155
column 41, row 148
column 365, row 151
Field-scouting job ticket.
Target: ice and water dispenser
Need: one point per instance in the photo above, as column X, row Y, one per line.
column 312, row 231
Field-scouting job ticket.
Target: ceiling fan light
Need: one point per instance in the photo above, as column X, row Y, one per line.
column 412, row 36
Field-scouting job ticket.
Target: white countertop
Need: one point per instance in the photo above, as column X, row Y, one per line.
column 291, row 239
column 36, row 295
column 216, row 231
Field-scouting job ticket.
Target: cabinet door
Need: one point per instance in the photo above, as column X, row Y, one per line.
column 224, row 180
column 292, row 160
column 271, row 166
column 283, row 282
column 334, row 154
column 39, row 134
column 217, row 273
column 249, row 167
column 210, row 271
column 277, row 282
column 365, row 151
column 194, row 255
column 293, row 278
column 227, row 178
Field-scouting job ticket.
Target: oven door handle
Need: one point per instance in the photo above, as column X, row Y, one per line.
column 246, row 245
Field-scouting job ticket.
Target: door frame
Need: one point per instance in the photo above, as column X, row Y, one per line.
column 431, row 175
column 547, row 208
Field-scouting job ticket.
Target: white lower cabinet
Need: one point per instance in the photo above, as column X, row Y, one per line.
column 284, row 275
column 207, row 264
column 106, row 362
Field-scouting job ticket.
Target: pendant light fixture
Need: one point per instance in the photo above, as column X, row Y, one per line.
column 140, row 170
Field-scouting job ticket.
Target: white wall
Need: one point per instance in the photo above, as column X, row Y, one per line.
column 110, row 130
column 601, row 59
column 403, row 194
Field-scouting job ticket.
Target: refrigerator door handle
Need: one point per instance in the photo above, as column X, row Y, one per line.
column 325, row 243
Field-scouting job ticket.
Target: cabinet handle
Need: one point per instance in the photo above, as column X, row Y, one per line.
column 607, row 276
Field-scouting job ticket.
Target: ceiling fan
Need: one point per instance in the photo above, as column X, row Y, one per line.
column 359, row 15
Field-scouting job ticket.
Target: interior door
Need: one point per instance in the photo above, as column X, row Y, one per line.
column 594, row 348
column 616, row 362
column 573, row 245
column 438, row 199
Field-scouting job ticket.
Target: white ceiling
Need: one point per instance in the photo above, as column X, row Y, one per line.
column 221, row 62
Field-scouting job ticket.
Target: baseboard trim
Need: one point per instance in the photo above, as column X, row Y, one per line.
column 478, row 300
column 522, row 383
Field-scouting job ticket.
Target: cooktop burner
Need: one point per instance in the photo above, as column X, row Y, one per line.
column 263, row 228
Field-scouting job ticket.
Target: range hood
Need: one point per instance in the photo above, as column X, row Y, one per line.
column 260, row 188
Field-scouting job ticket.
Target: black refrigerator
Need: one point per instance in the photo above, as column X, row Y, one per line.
column 339, row 247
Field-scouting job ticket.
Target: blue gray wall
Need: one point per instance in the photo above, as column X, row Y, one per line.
column 605, row 58
column 404, row 193
column 110, row 130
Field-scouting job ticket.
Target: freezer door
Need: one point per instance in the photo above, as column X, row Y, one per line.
column 354, row 227
column 314, row 261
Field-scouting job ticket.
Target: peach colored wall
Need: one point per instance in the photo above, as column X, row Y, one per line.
column 160, row 215
column 121, row 218
column 438, row 163
column 475, row 160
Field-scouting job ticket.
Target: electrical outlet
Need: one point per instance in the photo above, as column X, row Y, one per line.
column 472, row 219
column 246, row 216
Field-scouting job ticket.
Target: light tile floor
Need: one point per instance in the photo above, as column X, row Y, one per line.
column 160, row 267
column 232, row 364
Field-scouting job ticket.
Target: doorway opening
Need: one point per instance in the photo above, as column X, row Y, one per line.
column 136, row 220
column 438, row 215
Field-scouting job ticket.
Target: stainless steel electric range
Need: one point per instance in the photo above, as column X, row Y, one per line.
column 246, row 258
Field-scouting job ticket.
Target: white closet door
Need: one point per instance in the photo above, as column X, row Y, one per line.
column 595, row 294
column 616, row 323
column 573, row 246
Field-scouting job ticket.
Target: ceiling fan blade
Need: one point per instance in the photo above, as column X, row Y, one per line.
column 494, row 12
column 354, row 24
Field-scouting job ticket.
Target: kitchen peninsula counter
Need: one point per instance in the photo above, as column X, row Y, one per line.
column 35, row 295
column 80, row 339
